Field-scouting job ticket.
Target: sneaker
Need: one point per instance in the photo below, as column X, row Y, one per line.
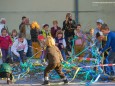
column 46, row 82
column 65, row 81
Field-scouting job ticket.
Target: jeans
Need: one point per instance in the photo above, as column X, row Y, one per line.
column 4, row 54
column 111, row 60
column 63, row 54
column 29, row 52
column 21, row 58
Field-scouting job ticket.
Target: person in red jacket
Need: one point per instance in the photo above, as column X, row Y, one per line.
column 5, row 43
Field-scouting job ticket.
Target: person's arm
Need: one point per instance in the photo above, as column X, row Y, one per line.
column 46, row 54
column 73, row 23
column 26, row 46
column 107, row 43
column 22, row 28
column 60, row 55
column 0, row 42
column 14, row 48
column 52, row 32
column 64, row 25
column 64, row 43
column 10, row 42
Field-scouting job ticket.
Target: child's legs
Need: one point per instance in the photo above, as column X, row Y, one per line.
column 63, row 54
column 59, row 70
column 48, row 69
column 111, row 60
column 22, row 55
column 15, row 58
column 4, row 54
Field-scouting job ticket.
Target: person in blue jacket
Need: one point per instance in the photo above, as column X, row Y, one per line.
column 109, row 44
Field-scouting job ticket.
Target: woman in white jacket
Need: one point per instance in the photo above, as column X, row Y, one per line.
column 19, row 49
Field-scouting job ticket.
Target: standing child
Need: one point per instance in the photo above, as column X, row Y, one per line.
column 5, row 43
column 60, row 43
column 55, row 28
column 90, row 40
column 54, row 58
column 109, row 44
column 14, row 35
column 19, row 48
column 80, row 41
column 91, row 37
column 45, row 31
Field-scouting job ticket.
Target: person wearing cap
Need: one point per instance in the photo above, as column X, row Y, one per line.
column 45, row 31
column 99, row 23
column 3, row 24
column 109, row 44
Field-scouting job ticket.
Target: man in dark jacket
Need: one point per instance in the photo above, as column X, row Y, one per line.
column 69, row 26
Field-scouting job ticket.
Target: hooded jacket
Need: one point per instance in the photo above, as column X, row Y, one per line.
column 5, row 42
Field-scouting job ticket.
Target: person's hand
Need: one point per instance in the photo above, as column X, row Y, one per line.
column 24, row 53
column 99, row 52
column 56, row 44
column 45, row 63
column 18, row 55
column 10, row 45
column 62, row 46
column 62, row 60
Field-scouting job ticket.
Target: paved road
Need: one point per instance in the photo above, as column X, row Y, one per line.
column 36, row 82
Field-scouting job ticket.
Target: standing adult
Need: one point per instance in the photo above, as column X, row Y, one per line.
column 23, row 20
column 68, row 28
column 3, row 24
column 25, row 29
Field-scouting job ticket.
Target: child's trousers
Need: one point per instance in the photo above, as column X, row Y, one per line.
column 4, row 54
column 57, row 67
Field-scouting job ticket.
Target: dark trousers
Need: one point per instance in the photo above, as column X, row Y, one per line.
column 56, row 67
column 111, row 60
column 29, row 52
column 4, row 54
column 21, row 58
column 6, row 75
